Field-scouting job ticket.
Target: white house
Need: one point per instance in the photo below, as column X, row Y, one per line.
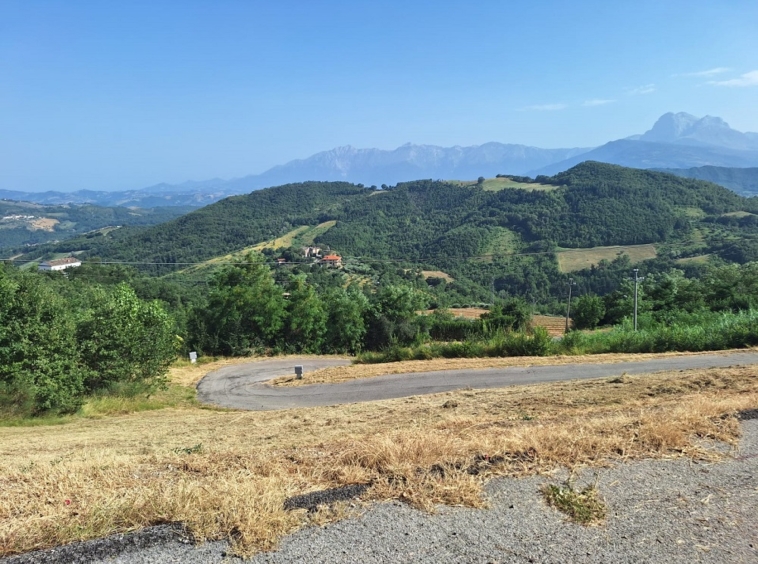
column 60, row 264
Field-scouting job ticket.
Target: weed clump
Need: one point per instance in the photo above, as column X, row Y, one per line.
column 584, row 507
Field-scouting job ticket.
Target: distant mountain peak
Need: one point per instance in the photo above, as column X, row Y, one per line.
column 669, row 127
column 685, row 129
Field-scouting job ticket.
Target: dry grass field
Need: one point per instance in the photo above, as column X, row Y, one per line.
column 44, row 224
column 697, row 259
column 556, row 326
column 226, row 474
column 577, row 259
column 437, row 274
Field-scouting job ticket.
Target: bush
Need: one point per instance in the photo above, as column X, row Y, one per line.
column 39, row 361
column 588, row 311
column 125, row 340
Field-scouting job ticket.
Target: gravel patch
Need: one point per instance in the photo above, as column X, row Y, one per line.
column 658, row 511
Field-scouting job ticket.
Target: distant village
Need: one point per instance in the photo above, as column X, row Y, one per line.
column 316, row 254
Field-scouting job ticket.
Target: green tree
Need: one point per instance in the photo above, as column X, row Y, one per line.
column 510, row 315
column 125, row 341
column 306, row 321
column 346, row 326
column 587, row 312
column 245, row 311
column 39, row 360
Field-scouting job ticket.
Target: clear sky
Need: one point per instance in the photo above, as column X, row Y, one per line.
column 112, row 95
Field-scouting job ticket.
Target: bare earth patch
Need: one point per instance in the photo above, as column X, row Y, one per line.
column 227, row 474
column 43, row 224
column 335, row 374
column 437, row 274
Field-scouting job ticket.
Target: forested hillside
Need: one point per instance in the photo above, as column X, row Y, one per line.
column 744, row 181
column 500, row 236
column 26, row 223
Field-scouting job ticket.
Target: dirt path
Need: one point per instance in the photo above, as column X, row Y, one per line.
column 243, row 386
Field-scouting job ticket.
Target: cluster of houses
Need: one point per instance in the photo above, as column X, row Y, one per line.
column 16, row 217
column 330, row 259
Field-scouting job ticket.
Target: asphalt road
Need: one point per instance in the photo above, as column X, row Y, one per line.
column 244, row 386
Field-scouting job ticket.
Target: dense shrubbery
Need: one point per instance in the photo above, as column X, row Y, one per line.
column 536, row 342
column 706, row 333
column 55, row 351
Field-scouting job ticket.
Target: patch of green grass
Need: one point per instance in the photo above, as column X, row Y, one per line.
column 196, row 449
column 107, row 405
column 584, row 507
column 502, row 183
column 172, row 396
column 502, row 241
column 307, row 237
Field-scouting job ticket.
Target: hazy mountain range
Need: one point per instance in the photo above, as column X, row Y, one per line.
column 676, row 141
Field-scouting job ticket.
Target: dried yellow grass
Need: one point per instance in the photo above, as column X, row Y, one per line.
column 90, row 478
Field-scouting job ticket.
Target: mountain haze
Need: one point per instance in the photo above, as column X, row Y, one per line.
column 409, row 162
column 744, row 181
column 675, row 141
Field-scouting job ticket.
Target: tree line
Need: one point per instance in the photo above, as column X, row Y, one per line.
column 61, row 342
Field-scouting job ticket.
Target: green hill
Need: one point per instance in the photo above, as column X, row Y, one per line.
column 27, row 223
column 489, row 240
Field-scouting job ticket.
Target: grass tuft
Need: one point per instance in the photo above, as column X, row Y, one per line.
column 584, row 507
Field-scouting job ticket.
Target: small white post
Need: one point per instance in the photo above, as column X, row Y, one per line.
column 193, row 357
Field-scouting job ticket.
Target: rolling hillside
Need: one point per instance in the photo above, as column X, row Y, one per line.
column 500, row 236
column 26, row 223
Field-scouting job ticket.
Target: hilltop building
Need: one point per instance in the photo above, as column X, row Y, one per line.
column 60, row 264
column 332, row 260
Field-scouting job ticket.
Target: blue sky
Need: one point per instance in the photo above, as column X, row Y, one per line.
column 119, row 95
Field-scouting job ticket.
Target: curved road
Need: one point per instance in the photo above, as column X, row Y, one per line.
column 243, row 386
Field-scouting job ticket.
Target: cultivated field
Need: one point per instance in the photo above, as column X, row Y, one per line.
column 556, row 326
column 437, row 274
column 576, row 259
column 497, row 184
column 227, row 474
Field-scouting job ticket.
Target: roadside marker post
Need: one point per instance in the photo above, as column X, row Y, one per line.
column 299, row 372
column 193, row 357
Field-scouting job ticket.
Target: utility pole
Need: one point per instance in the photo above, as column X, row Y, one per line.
column 637, row 280
column 568, row 307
